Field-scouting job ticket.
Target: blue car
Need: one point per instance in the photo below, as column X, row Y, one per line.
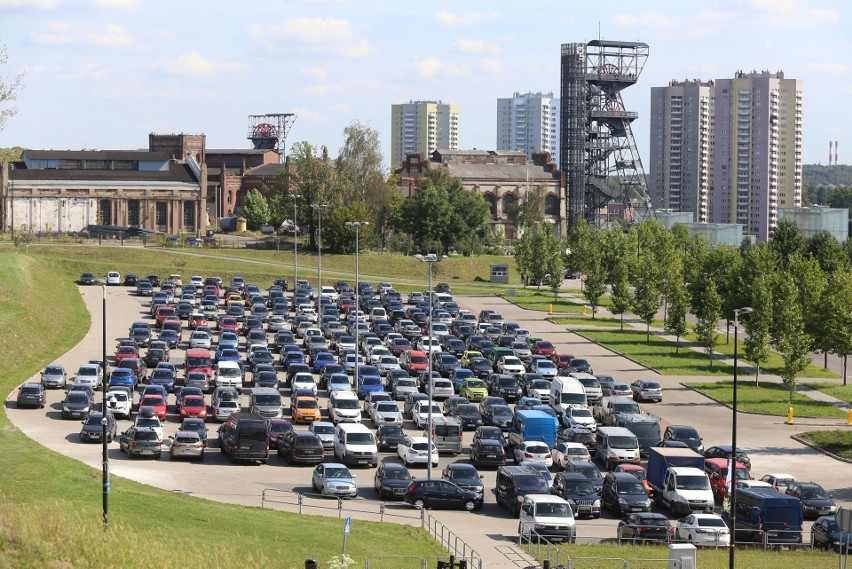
column 170, row 337
column 229, row 340
column 155, row 390
column 459, row 375
column 293, row 358
column 163, row 377
column 228, row 355
column 322, row 359
column 124, row 377
column 369, row 381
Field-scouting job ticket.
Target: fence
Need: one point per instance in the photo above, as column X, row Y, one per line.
column 374, row 511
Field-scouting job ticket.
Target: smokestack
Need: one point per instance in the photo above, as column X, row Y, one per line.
column 835, row 152
column 829, row 152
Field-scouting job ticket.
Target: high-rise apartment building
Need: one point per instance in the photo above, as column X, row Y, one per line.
column 423, row 127
column 681, row 147
column 529, row 122
column 758, row 150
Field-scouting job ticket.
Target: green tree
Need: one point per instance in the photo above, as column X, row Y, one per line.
column 539, row 244
column 707, row 308
column 524, row 258
column 678, row 306
column 827, row 251
column 553, row 259
column 646, row 295
column 8, row 90
column 620, row 296
column 758, row 324
column 810, row 283
column 594, row 287
column 255, row 210
column 835, row 313
column 788, row 332
column 339, row 238
column 528, row 211
column 787, row 240
column 312, row 177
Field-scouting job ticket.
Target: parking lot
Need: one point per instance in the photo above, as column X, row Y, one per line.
column 767, row 439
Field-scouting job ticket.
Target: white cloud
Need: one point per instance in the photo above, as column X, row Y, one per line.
column 42, row 4
column 341, row 108
column 429, row 67
column 193, row 63
column 831, row 68
column 316, row 35
column 117, row 4
column 476, row 46
column 315, row 90
column 90, row 72
column 61, row 32
column 315, row 72
column 491, row 65
column 309, row 115
column 791, row 13
column 452, row 19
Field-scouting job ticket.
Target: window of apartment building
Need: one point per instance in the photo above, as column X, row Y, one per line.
column 105, row 212
column 161, row 216
column 133, row 213
column 189, row 215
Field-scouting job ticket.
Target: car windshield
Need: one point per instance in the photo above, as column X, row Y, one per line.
column 323, row 429
column 814, row 493
column 337, row 473
column 711, row 522
column 360, row 439
column 654, row 522
column 501, row 411
column 392, row 431
column 190, row 425
column 579, row 487
column 267, row 399
column 551, row 510
column 573, row 398
column 146, row 436
column 94, row 419
column 693, row 483
column 650, row 385
column 628, row 488
column 532, row 485
column 55, row 370
column 193, row 402
column 507, row 382
column 397, row 474
column 623, row 442
column 475, row 384
column 579, row 412
column 280, row 427
column 545, row 364
column 228, row 405
column 346, row 404
column 307, row 404
column 461, row 472
column 387, row 408
column 143, row 422
column 77, row 398
column 590, row 471
column 371, row 381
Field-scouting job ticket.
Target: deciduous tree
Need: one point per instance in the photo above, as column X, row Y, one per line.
column 255, row 210
column 707, row 307
column 788, row 331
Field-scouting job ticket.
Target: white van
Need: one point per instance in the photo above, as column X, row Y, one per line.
column 616, row 445
column 378, row 313
column 355, row 444
column 229, row 374
column 547, row 516
column 566, row 392
column 344, row 407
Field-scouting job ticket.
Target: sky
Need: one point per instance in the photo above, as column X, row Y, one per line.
column 103, row 74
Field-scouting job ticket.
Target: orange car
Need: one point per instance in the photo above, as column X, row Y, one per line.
column 306, row 410
column 637, row 471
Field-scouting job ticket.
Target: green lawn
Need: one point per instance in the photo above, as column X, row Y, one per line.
column 657, row 353
column 602, row 321
column 530, row 299
column 837, row 390
column 50, row 505
column 769, row 398
column 835, row 442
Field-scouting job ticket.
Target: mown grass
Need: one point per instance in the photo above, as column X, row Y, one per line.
column 835, row 442
column 658, row 353
column 836, row 390
column 613, row 556
column 602, row 321
column 50, row 505
column 768, row 399
column 531, row 299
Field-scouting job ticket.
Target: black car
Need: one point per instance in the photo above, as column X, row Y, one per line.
column 77, row 405
column 644, row 527
column 140, row 441
column 87, row 279
column 154, row 355
column 197, row 425
column 724, row 451
column 131, row 280
column 489, row 452
column 826, row 534
column 505, row 386
column 154, row 280
column 815, row 500
column 265, row 378
column 441, row 495
column 391, row 480
column 480, row 367
column 468, row 415
column 464, row 476
column 578, row 435
column 301, row 446
column 590, row 471
column 497, row 416
column 93, row 430
column 579, row 492
column 445, row 364
column 580, row 365
column 31, row 395
column 685, row 434
column 388, row 437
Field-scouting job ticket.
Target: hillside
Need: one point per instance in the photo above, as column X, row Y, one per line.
column 814, row 175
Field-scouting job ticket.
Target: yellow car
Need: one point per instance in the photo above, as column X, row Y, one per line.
column 234, row 299
column 176, row 279
column 306, row 410
column 474, row 389
column 469, row 355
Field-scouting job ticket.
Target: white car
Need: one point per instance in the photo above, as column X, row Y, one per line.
column 415, row 450
column 511, row 365
column 580, row 417
column 304, row 380
column 377, row 352
column 539, row 388
column 420, row 413
column 703, row 529
column 350, row 361
column 440, row 329
column 223, row 409
column 563, row 453
column 114, row 278
column 428, row 345
column 403, row 386
column 150, row 421
column 546, row 368
column 534, row 451
column 387, row 363
column 308, row 310
column 386, row 413
column 89, row 374
column 391, row 337
column 200, row 339
column 120, row 402
column 196, row 280
column 442, row 388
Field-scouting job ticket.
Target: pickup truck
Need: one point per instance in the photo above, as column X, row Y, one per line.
column 678, row 480
column 606, row 412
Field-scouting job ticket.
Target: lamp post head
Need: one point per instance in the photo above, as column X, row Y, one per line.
column 745, row 310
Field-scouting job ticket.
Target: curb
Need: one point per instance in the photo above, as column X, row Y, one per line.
column 625, row 356
column 800, row 439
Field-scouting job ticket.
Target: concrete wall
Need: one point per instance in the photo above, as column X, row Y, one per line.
column 52, row 214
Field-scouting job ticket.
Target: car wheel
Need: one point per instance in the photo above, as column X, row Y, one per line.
column 470, row 505
column 419, row 504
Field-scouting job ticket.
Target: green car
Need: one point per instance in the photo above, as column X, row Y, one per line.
column 474, row 389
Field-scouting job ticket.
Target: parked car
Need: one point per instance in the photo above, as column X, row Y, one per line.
column 76, row 405
column 570, row 452
column 815, row 500
column 441, row 494
column 140, row 441
column 779, row 481
column 826, row 534
column 391, row 480
column 54, row 376
column 33, row 395
column 389, row 436
column 645, row 527
column 187, row 444
column 415, row 450
column 578, row 492
column 301, row 446
column 724, row 451
column 93, row 430
column 465, row 476
column 196, row 425
column 646, row 390
column 533, row 451
column 334, row 479
column 703, row 529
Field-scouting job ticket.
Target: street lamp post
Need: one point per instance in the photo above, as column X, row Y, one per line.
column 319, row 208
column 357, row 225
column 732, row 464
column 295, row 241
column 431, row 259
column 104, row 422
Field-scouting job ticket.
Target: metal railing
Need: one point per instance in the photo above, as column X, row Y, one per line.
column 306, row 503
column 448, row 539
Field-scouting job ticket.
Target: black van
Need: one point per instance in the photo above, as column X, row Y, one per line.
column 245, row 436
column 515, row 482
column 764, row 515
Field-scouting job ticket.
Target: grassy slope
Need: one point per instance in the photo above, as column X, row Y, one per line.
column 769, row 398
column 50, row 505
column 835, row 442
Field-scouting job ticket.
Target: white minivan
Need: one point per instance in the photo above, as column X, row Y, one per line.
column 355, row 444
column 229, row 374
column 344, row 407
column 566, row 392
column 547, row 516
column 616, row 445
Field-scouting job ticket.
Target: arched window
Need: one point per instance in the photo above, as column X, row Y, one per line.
column 492, row 207
column 551, row 205
column 508, row 202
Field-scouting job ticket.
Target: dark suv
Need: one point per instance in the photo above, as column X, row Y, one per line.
column 140, row 441
column 301, row 446
column 815, row 500
column 623, row 493
column 579, row 492
column 515, row 482
column 441, row 495
column 505, row 386
column 93, row 430
column 31, row 395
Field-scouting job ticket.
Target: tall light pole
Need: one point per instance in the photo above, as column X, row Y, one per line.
column 319, row 208
column 357, row 225
column 104, row 422
column 732, row 463
column 431, row 259
column 295, row 241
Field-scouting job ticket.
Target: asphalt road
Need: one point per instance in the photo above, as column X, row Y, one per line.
column 490, row 532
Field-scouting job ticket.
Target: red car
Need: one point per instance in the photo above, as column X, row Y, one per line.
column 544, row 348
column 193, row 406
column 197, row 320
column 562, row 360
column 277, row 428
column 162, row 313
column 125, row 353
column 211, row 289
column 157, row 403
column 173, row 323
column 414, row 362
column 229, row 324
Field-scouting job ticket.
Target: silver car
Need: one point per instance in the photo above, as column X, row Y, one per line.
column 386, row 413
column 54, row 376
column 186, row 444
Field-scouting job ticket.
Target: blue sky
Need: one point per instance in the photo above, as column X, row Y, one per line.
column 104, row 73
